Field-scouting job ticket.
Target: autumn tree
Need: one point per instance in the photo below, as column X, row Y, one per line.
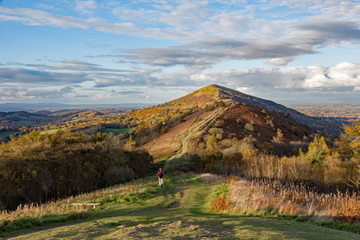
column 349, row 143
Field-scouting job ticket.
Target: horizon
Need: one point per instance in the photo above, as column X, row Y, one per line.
column 95, row 52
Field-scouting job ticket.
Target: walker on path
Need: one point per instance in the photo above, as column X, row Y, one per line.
column 160, row 175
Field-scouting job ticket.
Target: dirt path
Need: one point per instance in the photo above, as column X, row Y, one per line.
column 190, row 130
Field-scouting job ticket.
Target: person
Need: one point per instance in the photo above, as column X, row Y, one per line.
column 160, row 175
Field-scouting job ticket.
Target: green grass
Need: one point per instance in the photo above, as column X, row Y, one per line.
column 117, row 130
column 179, row 210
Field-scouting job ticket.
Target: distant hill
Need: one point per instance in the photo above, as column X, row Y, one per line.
column 22, row 118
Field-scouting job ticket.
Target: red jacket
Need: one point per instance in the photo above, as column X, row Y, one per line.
column 160, row 174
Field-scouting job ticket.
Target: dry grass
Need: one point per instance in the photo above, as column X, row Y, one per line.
column 293, row 200
column 208, row 177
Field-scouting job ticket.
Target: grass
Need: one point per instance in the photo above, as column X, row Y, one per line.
column 336, row 210
column 117, row 130
column 179, row 210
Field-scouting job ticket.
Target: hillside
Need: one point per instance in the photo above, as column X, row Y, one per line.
column 235, row 96
column 242, row 120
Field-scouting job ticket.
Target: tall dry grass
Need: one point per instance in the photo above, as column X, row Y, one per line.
column 293, row 200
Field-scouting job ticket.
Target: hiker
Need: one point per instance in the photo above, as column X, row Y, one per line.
column 160, row 175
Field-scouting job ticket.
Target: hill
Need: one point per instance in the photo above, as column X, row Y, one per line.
column 238, row 116
column 214, row 93
column 22, row 118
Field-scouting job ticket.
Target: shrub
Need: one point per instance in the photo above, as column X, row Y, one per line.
column 220, row 204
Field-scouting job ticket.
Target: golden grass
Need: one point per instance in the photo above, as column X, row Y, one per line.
column 293, row 200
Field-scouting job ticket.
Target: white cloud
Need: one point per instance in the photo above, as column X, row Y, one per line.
column 85, row 7
column 33, row 94
column 340, row 78
column 186, row 16
column 279, row 61
column 42, row 18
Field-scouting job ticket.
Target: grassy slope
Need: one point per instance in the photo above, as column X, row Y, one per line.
column 179, row 210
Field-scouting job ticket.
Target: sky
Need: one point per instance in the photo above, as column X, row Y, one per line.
column 142, row 51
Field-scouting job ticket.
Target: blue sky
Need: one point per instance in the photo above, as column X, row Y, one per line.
column 87, row 51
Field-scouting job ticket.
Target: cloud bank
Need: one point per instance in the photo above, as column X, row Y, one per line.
column 39, row 82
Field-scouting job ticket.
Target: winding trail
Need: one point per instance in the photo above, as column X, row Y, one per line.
column 194, row 127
